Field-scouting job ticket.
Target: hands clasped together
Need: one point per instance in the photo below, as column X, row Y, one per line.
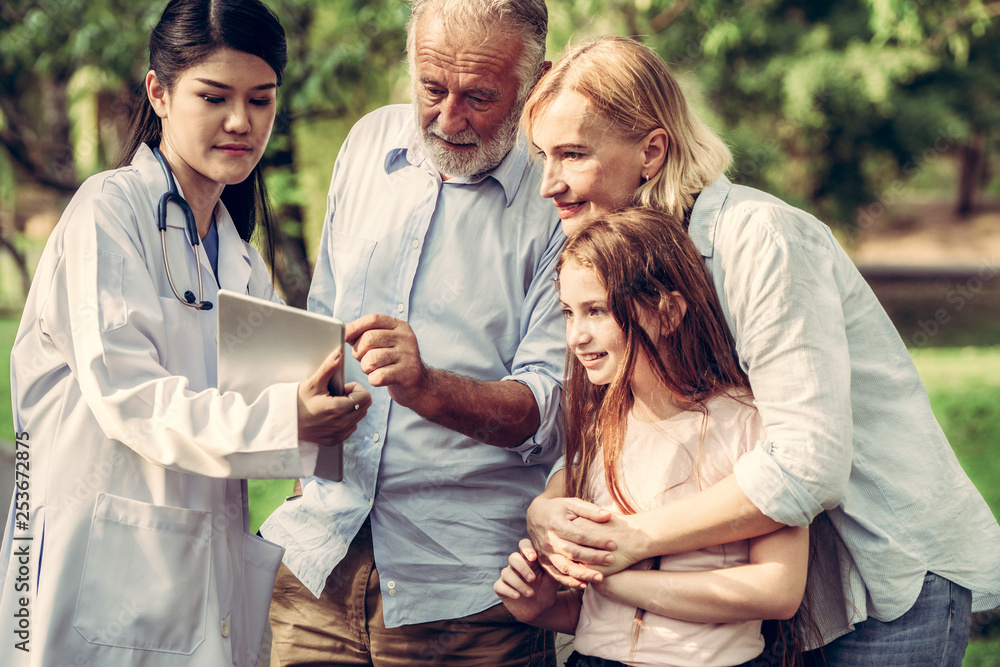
column 573, row 544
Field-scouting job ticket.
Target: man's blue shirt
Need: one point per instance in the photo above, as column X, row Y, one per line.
column 469, row 264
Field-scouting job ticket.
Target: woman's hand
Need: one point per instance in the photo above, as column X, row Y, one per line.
column 568, row 536
column 325, row 419
column 525, row 589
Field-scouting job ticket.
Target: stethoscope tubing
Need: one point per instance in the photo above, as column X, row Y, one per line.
column 173, row 195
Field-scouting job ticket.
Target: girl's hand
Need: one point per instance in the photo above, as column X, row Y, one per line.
column 325, row 419
column 525, row 589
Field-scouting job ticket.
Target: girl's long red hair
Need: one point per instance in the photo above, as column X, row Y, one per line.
column 641, row 256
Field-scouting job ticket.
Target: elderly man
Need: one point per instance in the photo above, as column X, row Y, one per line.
column 439, row 253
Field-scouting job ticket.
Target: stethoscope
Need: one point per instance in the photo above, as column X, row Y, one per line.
column 173, row 195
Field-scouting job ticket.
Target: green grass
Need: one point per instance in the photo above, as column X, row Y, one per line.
column 964, row 388
column 266, row 495
column 8, row 328
column 982, row 653
column 945, row 369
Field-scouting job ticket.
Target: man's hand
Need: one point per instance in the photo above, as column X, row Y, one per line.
column 501, row 413
column 389, row 355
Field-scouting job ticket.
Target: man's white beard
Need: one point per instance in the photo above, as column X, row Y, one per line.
column 486, row 155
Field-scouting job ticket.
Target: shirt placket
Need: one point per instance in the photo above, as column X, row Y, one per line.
column 398, row 305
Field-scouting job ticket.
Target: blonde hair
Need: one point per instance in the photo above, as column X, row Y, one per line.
column 629, row 85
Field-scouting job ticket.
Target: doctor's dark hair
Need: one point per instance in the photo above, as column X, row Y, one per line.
column 188, row 32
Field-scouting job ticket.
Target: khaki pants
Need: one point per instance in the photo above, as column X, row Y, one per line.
column 345, row 626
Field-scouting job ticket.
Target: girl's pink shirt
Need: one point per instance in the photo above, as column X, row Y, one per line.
column 660, row 462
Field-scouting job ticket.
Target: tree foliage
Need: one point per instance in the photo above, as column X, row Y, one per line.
column 43, row 44
column 820, row 98
column 827, row 103
column 344, row 59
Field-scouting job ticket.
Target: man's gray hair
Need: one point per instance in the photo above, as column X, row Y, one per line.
column 527, row 18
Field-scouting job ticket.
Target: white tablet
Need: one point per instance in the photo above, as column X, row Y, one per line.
column 263, row 343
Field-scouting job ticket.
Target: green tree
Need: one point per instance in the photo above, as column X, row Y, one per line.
column 43, row 44
column 345, row 58
column 962, row 96
column 827, row 103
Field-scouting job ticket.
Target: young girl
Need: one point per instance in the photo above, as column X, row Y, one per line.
column 656, row 408
column 127, row 543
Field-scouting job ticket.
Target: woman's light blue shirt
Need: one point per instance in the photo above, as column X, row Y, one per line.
column 849, row 424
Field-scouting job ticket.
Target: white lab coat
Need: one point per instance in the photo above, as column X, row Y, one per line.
column 137, row 504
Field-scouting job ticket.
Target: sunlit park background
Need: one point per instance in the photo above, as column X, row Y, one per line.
column 880, row 116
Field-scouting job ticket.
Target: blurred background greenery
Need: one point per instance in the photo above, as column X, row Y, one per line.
column 840, row 107
column 865, row 112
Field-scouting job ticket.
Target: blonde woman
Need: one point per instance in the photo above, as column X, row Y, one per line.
column 848, row 425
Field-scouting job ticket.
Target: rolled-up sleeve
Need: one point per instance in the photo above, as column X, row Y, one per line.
column 777, row 276
column 541, row 356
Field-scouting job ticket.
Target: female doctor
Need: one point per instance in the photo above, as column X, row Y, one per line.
column 127, row 543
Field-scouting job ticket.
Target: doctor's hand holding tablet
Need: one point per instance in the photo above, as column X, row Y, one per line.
column 322, row 415
column 262, row 342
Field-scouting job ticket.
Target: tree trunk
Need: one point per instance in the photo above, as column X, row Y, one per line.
column 55, row 130
column 37, row 133
column 973, row 162
column 291, row 264
column 20, row 261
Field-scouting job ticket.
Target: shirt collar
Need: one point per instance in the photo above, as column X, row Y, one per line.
column 706, row 213
column 408, row 149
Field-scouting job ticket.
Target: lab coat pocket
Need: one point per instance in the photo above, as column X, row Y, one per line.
column 351, row 257
column 261, row 560
column 145, row 577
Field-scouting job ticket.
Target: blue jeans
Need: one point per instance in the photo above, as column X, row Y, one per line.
column 934, row 632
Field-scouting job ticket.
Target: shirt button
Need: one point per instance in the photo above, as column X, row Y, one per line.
column 391, row 585
column 416, row 243
column 375, row 437
column 400, row 307
column 371, row 501
column 225, row 628
column 392, row 591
